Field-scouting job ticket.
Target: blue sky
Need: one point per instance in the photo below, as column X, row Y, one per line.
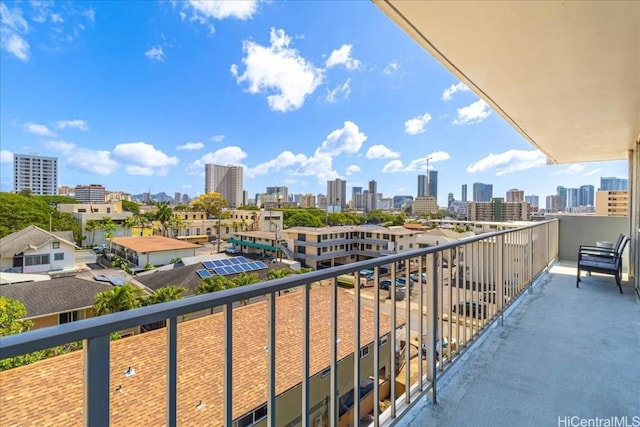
column 141, row 95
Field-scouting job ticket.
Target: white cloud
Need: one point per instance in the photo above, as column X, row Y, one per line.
column 458, row 87
column 343, row 56
column 592, row 172
column 84, row 159
column 416, row 165
column 417, row 124
column 155, row 54
column 283, row 160
column 380, row 151
column 144, row 159
column 351, row 169
column 217, row 138
column 230, row 155
column 391, row 68
column 38, row 129
column 74, row 124
column 472, row 113
column 570, row 170
column 339, row 93
column 12, row 29
column 346, row 140
column 278, row 70
column 509, row 161
column 6, row 156
column 190, row 146
column 222, row 9
column 319, row 166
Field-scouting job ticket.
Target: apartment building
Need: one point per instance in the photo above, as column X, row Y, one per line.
column 226, row 180
column 330, row 246
column 92, row 193
column 424, row 205
column 39, row 174
column 498, row 210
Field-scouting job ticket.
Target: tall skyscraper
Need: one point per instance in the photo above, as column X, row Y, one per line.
column 36, row 173
column 433, row 184
column 611, row 183
column 356, row 198
column 450, row 200
column 587, row 195
column 482, row 192
column 464, row 193
column 372, row 198
column 226, row 180
column 515, row 195
column 533, row 200
column 573, row 198
column 92, row 193
column 562, row 192
column 281, row 192
column 336, row 195
column 422, row 185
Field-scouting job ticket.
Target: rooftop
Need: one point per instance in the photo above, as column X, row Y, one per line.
column 31, row 237
column 142, row 244
column 50, row 391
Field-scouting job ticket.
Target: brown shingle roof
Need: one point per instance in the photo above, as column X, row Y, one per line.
column 144, row 244
column 50, row 392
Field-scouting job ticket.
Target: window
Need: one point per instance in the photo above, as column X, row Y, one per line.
column 70, row 316
column 383, row 340
column 58, row 256
column 325, row 373
column 36, row 259
column 55, row 245
column 364, row 352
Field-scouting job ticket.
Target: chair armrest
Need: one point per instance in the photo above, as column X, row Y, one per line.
column 596, row 250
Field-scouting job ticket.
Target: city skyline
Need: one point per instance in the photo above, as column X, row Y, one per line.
column 261, row 85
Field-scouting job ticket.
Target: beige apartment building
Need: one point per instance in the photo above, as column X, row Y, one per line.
column 330, row 246
column 424, row 205
column 612, row 203
column 498, row 210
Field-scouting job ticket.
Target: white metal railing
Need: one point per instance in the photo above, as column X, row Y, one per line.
column 469, row 285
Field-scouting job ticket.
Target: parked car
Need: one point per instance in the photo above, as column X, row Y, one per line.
column 401, row 281
column 471, row 308
column 385, row 284
column 100, row 248
column 416, row 277
column 366, row 274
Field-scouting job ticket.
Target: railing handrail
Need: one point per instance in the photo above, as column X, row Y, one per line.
column 38, row 339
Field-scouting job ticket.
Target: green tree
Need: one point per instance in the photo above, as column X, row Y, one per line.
column 118, row 298
column 91, row 226
column 163, row 214
column 129, row 223
column 210, row 203
column 11, row 314
column 213, row 284
column 108, row 227
column 279, row 273
column 132, row 207
column 164, row 294
column 244, row 279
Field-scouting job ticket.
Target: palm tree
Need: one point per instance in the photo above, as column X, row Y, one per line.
column 130, row 222
column 164, row 294
column 213, row 284
column 279, row 273
column 243, row 279
column 108, row 227
column 118, row 298
column 163, row 215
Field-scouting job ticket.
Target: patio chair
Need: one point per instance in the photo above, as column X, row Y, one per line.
column 601, row 260
column 601, row 253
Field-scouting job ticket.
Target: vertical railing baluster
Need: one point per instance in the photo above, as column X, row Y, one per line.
column 228, row 364
column 407, row 311
column 394, row 365
column 356, row 352
column 96, row 387
column 376, row 347
column 271, row 366
column 305, row 356
column 421, row 321
column 432, row 326
column 172, row 376
column 335, row 396
column 500, row 282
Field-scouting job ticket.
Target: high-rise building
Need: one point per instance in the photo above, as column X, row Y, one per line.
column 39, row 174
column 422, row 185
column 356, row 198
column 587, row 195
column 372, row 198
column 498, row 210
column 336, row 195
column 610, row 183
column 450, row 200
column 533, row 200
column 308, row 201
column 226, row 180
column 464, row 193
column 424, row 205
column 554, row 203
column 573, row 198
column 482, row 192
column 177, row 197
column 400, row 201
column 562, row 192
column 92, row 193
column 282, row 193
column 433, row 184
column 515, row 195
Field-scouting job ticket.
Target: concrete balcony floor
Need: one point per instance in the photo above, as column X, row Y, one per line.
column 562, row 352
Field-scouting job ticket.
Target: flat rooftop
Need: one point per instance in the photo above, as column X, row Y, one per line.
column 143, row 244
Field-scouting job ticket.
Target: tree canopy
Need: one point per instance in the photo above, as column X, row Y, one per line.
column 210, row 203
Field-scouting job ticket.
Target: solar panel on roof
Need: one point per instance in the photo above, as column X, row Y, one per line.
column 234, row 261
column 203, row 273
column 219, row 271
column 208, row 265
column 261, row 265
column 238, row 268
column 225, row 262
column 241, row 259
column 244, row 267
column 217, row 263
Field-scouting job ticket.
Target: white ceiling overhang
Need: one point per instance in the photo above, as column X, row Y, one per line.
column 565, row 74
